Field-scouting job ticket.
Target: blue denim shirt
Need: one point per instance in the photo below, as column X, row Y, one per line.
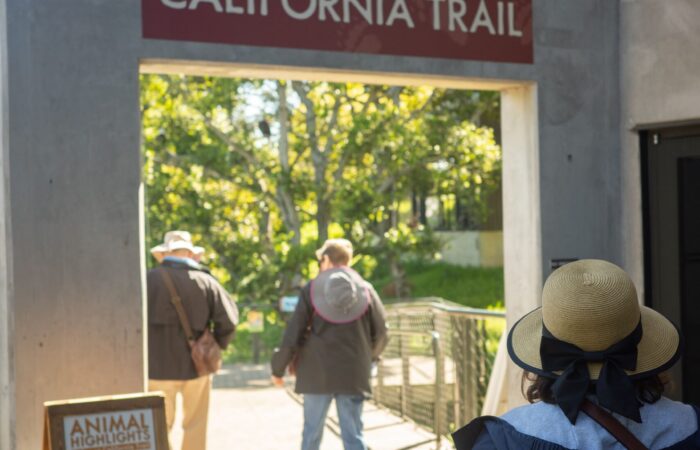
column 666, row 424
column 187, row 261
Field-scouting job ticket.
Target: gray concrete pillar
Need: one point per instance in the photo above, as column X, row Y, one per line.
column 7, row 363
column 75, row 289
column 522, row 229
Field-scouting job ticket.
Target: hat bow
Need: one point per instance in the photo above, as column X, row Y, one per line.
column 614, row 389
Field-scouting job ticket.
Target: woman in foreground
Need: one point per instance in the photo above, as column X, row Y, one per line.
column 595, row 359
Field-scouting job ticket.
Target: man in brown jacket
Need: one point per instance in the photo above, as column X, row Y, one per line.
column 337, row 330
column 170, row 365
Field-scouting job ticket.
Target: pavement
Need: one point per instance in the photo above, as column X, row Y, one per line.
column 248, row 413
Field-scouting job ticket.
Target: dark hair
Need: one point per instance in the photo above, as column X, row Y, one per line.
column 649, row 390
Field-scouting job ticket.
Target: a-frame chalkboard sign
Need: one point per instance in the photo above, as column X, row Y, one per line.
column 123, row 422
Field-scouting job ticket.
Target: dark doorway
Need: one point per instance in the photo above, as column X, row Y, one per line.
column 671, row 176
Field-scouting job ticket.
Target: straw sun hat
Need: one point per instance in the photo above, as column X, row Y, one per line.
column 589, row 312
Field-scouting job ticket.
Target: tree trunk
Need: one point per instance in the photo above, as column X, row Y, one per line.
column 441, row 214
column 264, row 228
column 283, row 119
column 323, row 218
column 319, row 159
column 394, row 214
column 284, row 199
column 398, row 276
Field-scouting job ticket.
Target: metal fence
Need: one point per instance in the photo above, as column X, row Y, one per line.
column 436, row 367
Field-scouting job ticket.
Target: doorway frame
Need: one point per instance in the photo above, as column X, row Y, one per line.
column 522, row 226
column 522, row 240
column 647, row 134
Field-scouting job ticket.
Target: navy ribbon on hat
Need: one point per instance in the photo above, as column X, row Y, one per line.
column 614, row 389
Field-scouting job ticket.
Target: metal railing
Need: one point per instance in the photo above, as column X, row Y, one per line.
column 436, row 367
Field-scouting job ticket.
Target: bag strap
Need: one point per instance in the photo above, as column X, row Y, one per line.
column 177, row 303
column 612, row 425
column 310, row 324
column 308, row 328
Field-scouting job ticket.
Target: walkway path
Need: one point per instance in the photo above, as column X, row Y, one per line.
column 248, row 413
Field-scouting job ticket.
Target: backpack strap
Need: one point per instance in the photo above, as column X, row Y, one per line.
column 612, row 425
column 465, row 437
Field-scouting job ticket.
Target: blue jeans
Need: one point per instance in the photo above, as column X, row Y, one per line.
column 349, row 409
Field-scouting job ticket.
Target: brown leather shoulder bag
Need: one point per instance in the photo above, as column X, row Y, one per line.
column 205, row 352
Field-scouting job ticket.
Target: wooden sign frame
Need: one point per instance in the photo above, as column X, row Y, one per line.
column 55, row 413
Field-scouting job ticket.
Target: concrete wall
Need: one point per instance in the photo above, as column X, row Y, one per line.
column 491, row 248
column 472, row 248
column 73, row 144
column 74, row 182
column 7, row 341
column 460, row 247
column 659, row 44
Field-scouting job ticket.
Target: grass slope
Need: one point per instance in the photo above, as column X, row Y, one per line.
column 476, row 287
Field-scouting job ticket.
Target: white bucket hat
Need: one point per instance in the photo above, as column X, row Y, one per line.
column 176, row 240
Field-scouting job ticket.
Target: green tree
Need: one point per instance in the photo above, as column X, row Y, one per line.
column 262, row 171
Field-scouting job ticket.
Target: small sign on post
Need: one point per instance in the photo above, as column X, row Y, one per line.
column 256, row 321
column 256, row 325
column 123, row 422
column 554, row 264
column 288, row 303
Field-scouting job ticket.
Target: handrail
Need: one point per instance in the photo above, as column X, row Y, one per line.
column 445, row 306
column 439, row 382
column 460, row 359
column 439, row 376
column 432, row 334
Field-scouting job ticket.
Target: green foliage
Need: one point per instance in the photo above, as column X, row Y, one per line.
column 261, row 171
column 241, row 349
column 477, row 287
column 195, row 182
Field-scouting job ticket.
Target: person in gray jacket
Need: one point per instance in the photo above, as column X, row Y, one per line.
column 336, row 332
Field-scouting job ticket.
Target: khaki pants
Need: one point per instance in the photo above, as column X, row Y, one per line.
column 195, row 408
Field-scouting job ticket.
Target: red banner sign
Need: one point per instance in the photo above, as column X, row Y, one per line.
column 484, row 30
